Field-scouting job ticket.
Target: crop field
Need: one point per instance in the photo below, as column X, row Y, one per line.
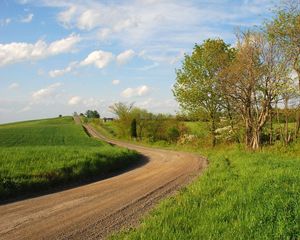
column 37, row 155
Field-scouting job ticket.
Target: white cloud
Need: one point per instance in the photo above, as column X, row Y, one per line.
column 92, row 102
column 60, row 72
column 89, row 19
column 25, row 109
column 160, row 25
column 13, row 86
column 41, row 98
column 135, row 92
column 64, row 45
column 49, row 91
column 85, row 102
column 4, row 22
column 65, row 17
column 155, row 105
column 98, row 58
column 27, row 19
column 74, row 100
column 115, row 82
column 23, row 1
column 19, row 51
column 125, row 56
column 148, row 67
column 104, row 33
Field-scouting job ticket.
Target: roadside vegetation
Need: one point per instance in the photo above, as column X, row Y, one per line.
column 37, row 155
column 242, row 195
column 240, row 109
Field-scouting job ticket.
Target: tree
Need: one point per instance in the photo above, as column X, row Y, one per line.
column 254, row 81
column 92, row 114
column 123, row 113
column 197, row 83
column 133, row 129
column 142, row 117
column 285, row 30
column 121, row 110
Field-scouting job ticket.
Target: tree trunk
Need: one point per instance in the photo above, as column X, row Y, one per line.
column 248, row 135
column 298, row 110
column 271, row 128
column 297, row 122
column 213, row 132
column 255, row 140
column 287, row 136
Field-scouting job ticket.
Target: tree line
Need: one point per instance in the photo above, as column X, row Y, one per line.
column 136, row 123
column 248, row 83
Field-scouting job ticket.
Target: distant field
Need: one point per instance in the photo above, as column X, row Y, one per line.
column 36, row 155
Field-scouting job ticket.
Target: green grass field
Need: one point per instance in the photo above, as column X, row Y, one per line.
column 36, row 155
column 242, row 195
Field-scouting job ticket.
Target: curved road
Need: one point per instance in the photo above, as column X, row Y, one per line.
column 95, row 210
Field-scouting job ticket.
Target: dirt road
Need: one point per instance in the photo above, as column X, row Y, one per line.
column 93, row 211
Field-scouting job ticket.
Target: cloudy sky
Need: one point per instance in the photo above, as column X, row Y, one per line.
column 57, row 57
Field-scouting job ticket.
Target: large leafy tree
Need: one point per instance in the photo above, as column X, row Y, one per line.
column 197, row 83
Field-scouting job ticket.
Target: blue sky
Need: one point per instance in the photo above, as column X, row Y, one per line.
column 57, row 57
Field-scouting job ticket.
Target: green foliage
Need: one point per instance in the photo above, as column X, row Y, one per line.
column 284, row 29
column 124, row 118
column 197, row 81
column 197, row 87
column 92, row 114
column 37, row 155
column 173, row 134
column 138, row 123
column 200, row 129
column 242, row 195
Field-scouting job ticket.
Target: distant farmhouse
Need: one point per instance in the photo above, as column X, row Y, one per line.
column 105, row 119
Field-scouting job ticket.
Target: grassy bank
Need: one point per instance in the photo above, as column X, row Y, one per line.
column 38, row 155
column 242, row 195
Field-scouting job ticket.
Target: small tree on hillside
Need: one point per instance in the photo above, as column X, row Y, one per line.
column 123, row 113
column 92, row 114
